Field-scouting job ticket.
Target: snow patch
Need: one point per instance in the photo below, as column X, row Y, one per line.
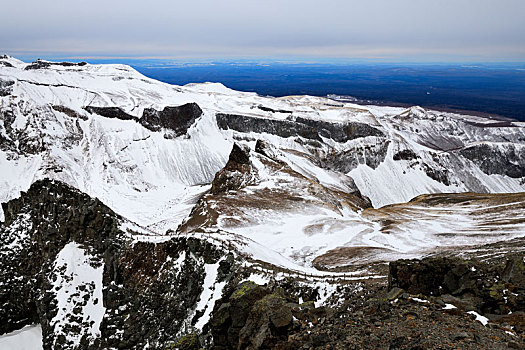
column 212, row 291
column 479, row 317
column 78, row 274
column 27, row 338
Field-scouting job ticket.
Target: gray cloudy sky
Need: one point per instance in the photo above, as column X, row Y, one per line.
column 410, row 30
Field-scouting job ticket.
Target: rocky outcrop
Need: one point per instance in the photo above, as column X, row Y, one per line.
column 267, row 150
column 506, row 159
column 405, row 154
column 299, row 127
column 272, row 316
column 6, row 87
column 37, row 226
column 147, row 291
column 268, row 109
column 155, row 289
column 39, row 64
column 175, row 120
column 344, row 161
column 71, row 112
column 494, row 290
column 110, row 112
column 341, row 132
column 436, row 173
column 252, row 316
column 6, row 64
column 237, row 173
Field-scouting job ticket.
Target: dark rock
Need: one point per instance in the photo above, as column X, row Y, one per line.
column 110, row 112
column 69, row 112
column 495, row 160
column 175, row 119
column 242, row 300
column 188, row 342
column 6, row 87
column 514, row 345
column 39, row 64
column 302, row 127
column 268, row 313
column 492, row 290
column 431, row 276
column 514, row 272
column 231, row 315
column 139, row 278
column 51, row 206
column 267, row 150
column 240, row 154
column 349, row 159
column 341, row 132
column 438, row 174
column 405, row 154
column 394, row 293
column 237, row 173
column 6, row 64
column 460, row 336
column 268, row 109
column 257, row 317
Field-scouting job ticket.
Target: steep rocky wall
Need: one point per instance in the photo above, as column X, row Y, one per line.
column 497, row 159
column 6, row 87
column 347, row 160
column 306, row 128
column 148, row 292
column 176, row 119
column 110, row 112
column 39, row 64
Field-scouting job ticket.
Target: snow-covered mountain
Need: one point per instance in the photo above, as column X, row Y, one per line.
column 103, row 129
column 301, row 183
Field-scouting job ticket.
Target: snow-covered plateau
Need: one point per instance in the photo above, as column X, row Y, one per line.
column 304, row 184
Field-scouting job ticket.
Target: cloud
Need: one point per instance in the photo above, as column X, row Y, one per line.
column 484, row 29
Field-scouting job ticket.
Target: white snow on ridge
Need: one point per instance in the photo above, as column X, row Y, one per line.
column 76, row 277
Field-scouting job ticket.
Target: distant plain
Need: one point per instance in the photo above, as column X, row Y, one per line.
column 495, row 90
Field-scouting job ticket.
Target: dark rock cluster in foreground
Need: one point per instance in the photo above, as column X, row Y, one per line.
column 373, row 316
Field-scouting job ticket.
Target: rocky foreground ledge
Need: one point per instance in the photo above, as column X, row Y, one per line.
column 92, row 280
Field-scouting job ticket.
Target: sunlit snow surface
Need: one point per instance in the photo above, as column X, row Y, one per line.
column 155, row 182
column 27, row 338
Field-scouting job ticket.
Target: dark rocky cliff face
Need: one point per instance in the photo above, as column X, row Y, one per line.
column 176, row 119
column 150, row 290
column 39, row 64
column 493, row 160
column 237, row 173
column 306, row 128
column 37, row 226
column 110, row 112
column 6, row 87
